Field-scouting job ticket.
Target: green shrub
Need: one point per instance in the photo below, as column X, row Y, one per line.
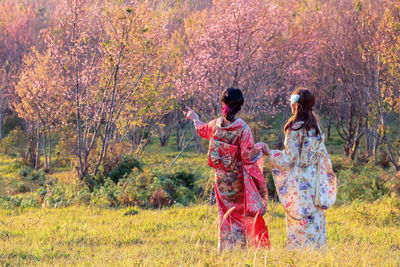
column 131, row 211
column 184, row 195
column 30, row 201
column 16, row 186
column 183, row 178
column 267, row 173
column 3, row 191
column 125, row 167
column 107, row 195
column 337, row 163
column 62, row 195
column 11, row 123
column 12, row 167
column 22, row 201
column 362, row 182
column 36, row 177
column 27, row 181
column 83, row 196
column 56, row 196
column 15, row 143
column 154, row 188
column 181, row 186
column 10, row 202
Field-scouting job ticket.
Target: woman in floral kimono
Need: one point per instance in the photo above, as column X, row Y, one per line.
column 303, row 175
column 240, row 188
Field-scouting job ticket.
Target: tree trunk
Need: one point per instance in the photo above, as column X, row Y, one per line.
column 368, row 141
column 375, row 147
column 282, row 132
column 384, row 135
column 49, row 149
column 392, row 158
column 37, row 160
column 353, row 150
column 350, row 148
column 177, row 135
column 1, row 124
column 165, row 132
column 144, row 140
column 45, row 150
column 31, row 157
column 198, row 140
column 328, row 129
column 180, row 138
column 104, row 147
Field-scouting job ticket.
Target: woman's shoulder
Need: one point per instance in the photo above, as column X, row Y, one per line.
column 243, row 126
column 298, row 129
column 214, row 121
column 298, row 123
column 237, row 124
column 296, row 126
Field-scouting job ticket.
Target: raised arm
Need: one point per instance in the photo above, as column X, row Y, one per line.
column 203, row 129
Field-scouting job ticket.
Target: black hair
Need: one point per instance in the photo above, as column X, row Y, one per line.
column 233, row 98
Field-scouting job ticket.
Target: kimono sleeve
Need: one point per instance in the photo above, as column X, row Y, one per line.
column 250, row 155
column 289, row 157
column 327, row 189
column 204, row 130
column 283, row 164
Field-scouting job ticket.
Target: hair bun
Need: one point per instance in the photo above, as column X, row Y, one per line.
column 233, row 99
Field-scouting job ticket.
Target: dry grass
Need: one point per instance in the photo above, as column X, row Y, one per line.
column 358, row 235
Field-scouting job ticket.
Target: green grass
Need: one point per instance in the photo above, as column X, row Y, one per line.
column 358, row 235
column 9, row 166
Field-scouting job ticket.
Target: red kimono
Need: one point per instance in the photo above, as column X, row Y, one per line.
column 240, row 188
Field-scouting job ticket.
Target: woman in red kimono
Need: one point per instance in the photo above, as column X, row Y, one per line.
column 240, row 187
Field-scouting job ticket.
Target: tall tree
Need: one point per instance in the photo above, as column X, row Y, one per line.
column 74, row 45
column 111, row 56
column 235, row 43
column 383, row 23
column 39, row 101
column 20, row 24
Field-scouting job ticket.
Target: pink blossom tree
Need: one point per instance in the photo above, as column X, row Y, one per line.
column 20, row 23
column 111, row 58
column 38, row 103
column 236, row 43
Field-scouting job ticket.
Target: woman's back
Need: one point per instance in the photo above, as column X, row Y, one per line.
column 240, row 189
column 303, row 174
column 299, row 171
column 230, row 133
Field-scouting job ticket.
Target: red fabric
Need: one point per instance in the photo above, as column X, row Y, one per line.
column 258, row 230
column 238, row 190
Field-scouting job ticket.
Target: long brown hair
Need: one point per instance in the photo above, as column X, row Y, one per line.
column 303, row 111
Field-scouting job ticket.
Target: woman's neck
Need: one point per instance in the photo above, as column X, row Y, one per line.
column 226, row 123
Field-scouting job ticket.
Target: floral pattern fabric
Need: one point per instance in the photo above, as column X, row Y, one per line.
column 303, row 174
column 240, row 188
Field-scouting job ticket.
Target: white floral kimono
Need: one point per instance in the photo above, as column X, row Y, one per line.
column 306, row 186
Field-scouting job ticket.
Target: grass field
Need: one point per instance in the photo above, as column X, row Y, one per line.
column 358, row 235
